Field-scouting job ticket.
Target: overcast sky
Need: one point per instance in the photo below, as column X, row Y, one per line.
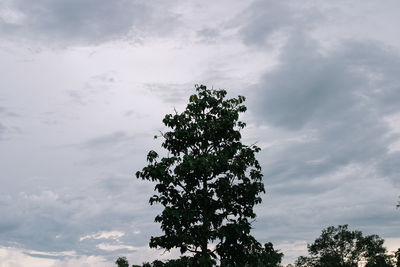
column 85, row 84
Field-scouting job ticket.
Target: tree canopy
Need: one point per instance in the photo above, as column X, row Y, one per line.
column 208, row 183
column 340, row 247
column 122, row 262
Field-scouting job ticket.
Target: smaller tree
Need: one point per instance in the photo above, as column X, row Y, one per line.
column 269, row 257
column 122, row 262
column 375, row 253
column 339, row 247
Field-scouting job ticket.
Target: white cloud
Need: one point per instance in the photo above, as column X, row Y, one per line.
column 111, row 247
column 292, row 250
column 103, row 235
column 46, row 196
column 16, row 257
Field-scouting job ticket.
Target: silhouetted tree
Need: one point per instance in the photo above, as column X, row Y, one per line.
column 375, row 253
column 397, row 257
column 339, row 247
column 265, row 256
column 208, row 183
column 122, row 262
column 268, row 256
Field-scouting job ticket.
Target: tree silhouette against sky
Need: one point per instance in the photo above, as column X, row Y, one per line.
column 208, row 183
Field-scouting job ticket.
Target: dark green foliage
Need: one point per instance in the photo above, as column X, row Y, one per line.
column 122, row 262
column 258, row 256
column 182, row 262
column 339, row 247
column 375, row 253
column 208, row 183
column 397, row 257
column 264, row 257
column 269, row 257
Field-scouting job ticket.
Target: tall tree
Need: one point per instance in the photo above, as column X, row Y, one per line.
column 340, row 247
column 208, row 183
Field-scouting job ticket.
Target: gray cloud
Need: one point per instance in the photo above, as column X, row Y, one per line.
column 85, row 22
column 389, row 167
column 262, row 19
column 208, row 35
column 98, row 84
column 109, row 148
column 2, row 130
column 61, row 219
column 171, row 93
column 4, row 114
column 332, row 106
column 329, row 161
column 113, row 139
column 334, row 99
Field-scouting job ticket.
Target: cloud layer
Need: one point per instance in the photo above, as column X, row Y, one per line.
column 85, row 22
column 76, row 122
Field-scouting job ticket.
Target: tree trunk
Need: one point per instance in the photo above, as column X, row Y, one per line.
column 204, row 243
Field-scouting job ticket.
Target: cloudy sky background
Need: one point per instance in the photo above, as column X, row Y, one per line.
column 85, row 84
